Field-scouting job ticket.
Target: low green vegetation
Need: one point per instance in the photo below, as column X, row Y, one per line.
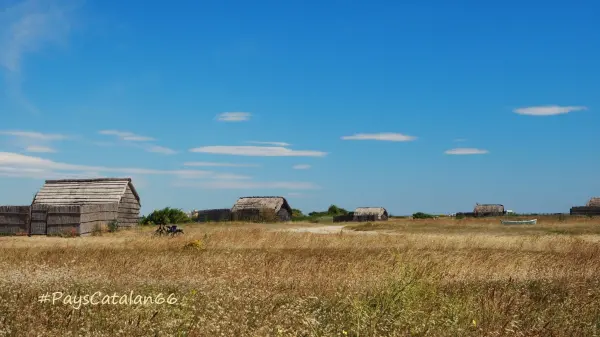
column 421, row 215
column 319, row 217
column 165, row 216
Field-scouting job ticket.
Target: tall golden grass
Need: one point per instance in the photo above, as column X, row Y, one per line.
column 236, row 281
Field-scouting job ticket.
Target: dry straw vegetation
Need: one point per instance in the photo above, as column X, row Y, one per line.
column 425, row 278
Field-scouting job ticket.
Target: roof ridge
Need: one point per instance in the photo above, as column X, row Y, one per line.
column 86, row 180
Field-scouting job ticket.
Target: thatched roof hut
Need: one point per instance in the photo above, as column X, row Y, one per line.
column 261, row 209
column 594, row 202
column 370, row 214
column 101, row 201
column 488, row 209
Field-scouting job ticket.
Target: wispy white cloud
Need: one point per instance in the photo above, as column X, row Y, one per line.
column 270, row 143
column 32, row 141
column 40, row 149
column 258, row 151
column 301, row 167
column 161, row 149
column 243, row 185
column 233, row 116
column 40, row 165
column 466, row 151
column 33, row 135
column 385, row 136
column 213, row 164
column 27, row 27
column 126, row 135
column 548, row 110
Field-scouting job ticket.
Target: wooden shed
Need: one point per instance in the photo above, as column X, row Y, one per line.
column 592, row 208
column 370, row 214
column 84, row 205
column 488, row 210
column 213, row 215
column 14, row 220
column 261, row 209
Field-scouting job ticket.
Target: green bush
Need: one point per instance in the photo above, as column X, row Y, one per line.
column 460, row 216
column 421, row 215
column 166, row 216
column 113, row 226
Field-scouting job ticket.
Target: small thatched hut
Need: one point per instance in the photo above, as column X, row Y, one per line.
column 594, row 202
column 370, row 214
column 81, row 206
column 592, row 208
column 488, row 210
column 261, row 209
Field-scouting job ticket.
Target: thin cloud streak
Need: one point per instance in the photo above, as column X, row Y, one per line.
column 40, row 149
column 234, row 116
column 385, row 136
column 213, row 164
column 161, row 150
column 301, row 167
column 15, row 160
column 126, row 135
column 257, row 151
column 244, row 185
column 466, row 151
column 33, row 135
column 549, row 110
column 270, row 143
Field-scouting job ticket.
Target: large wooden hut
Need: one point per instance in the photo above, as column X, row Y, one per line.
column 261, row 209
column 370, row 214
column 488, row 210
column 82, row 206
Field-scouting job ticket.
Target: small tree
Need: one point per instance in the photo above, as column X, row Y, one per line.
column 296, row 213
column 166, row 216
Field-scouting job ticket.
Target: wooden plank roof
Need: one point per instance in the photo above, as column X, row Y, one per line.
column 84, row 191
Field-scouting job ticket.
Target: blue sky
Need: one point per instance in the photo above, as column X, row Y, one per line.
column 415, row 106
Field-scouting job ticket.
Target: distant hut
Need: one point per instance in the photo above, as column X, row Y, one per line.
column 594, row 202
column 82, row 206
column 370, row 214
column 261, row 209
column 488, row 210
column 592, row 208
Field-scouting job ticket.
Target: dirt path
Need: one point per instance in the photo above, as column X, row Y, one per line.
column 325, row 230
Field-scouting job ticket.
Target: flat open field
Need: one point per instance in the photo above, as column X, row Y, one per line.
column 441, row 277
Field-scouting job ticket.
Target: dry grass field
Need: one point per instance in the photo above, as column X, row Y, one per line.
column 439, row 277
